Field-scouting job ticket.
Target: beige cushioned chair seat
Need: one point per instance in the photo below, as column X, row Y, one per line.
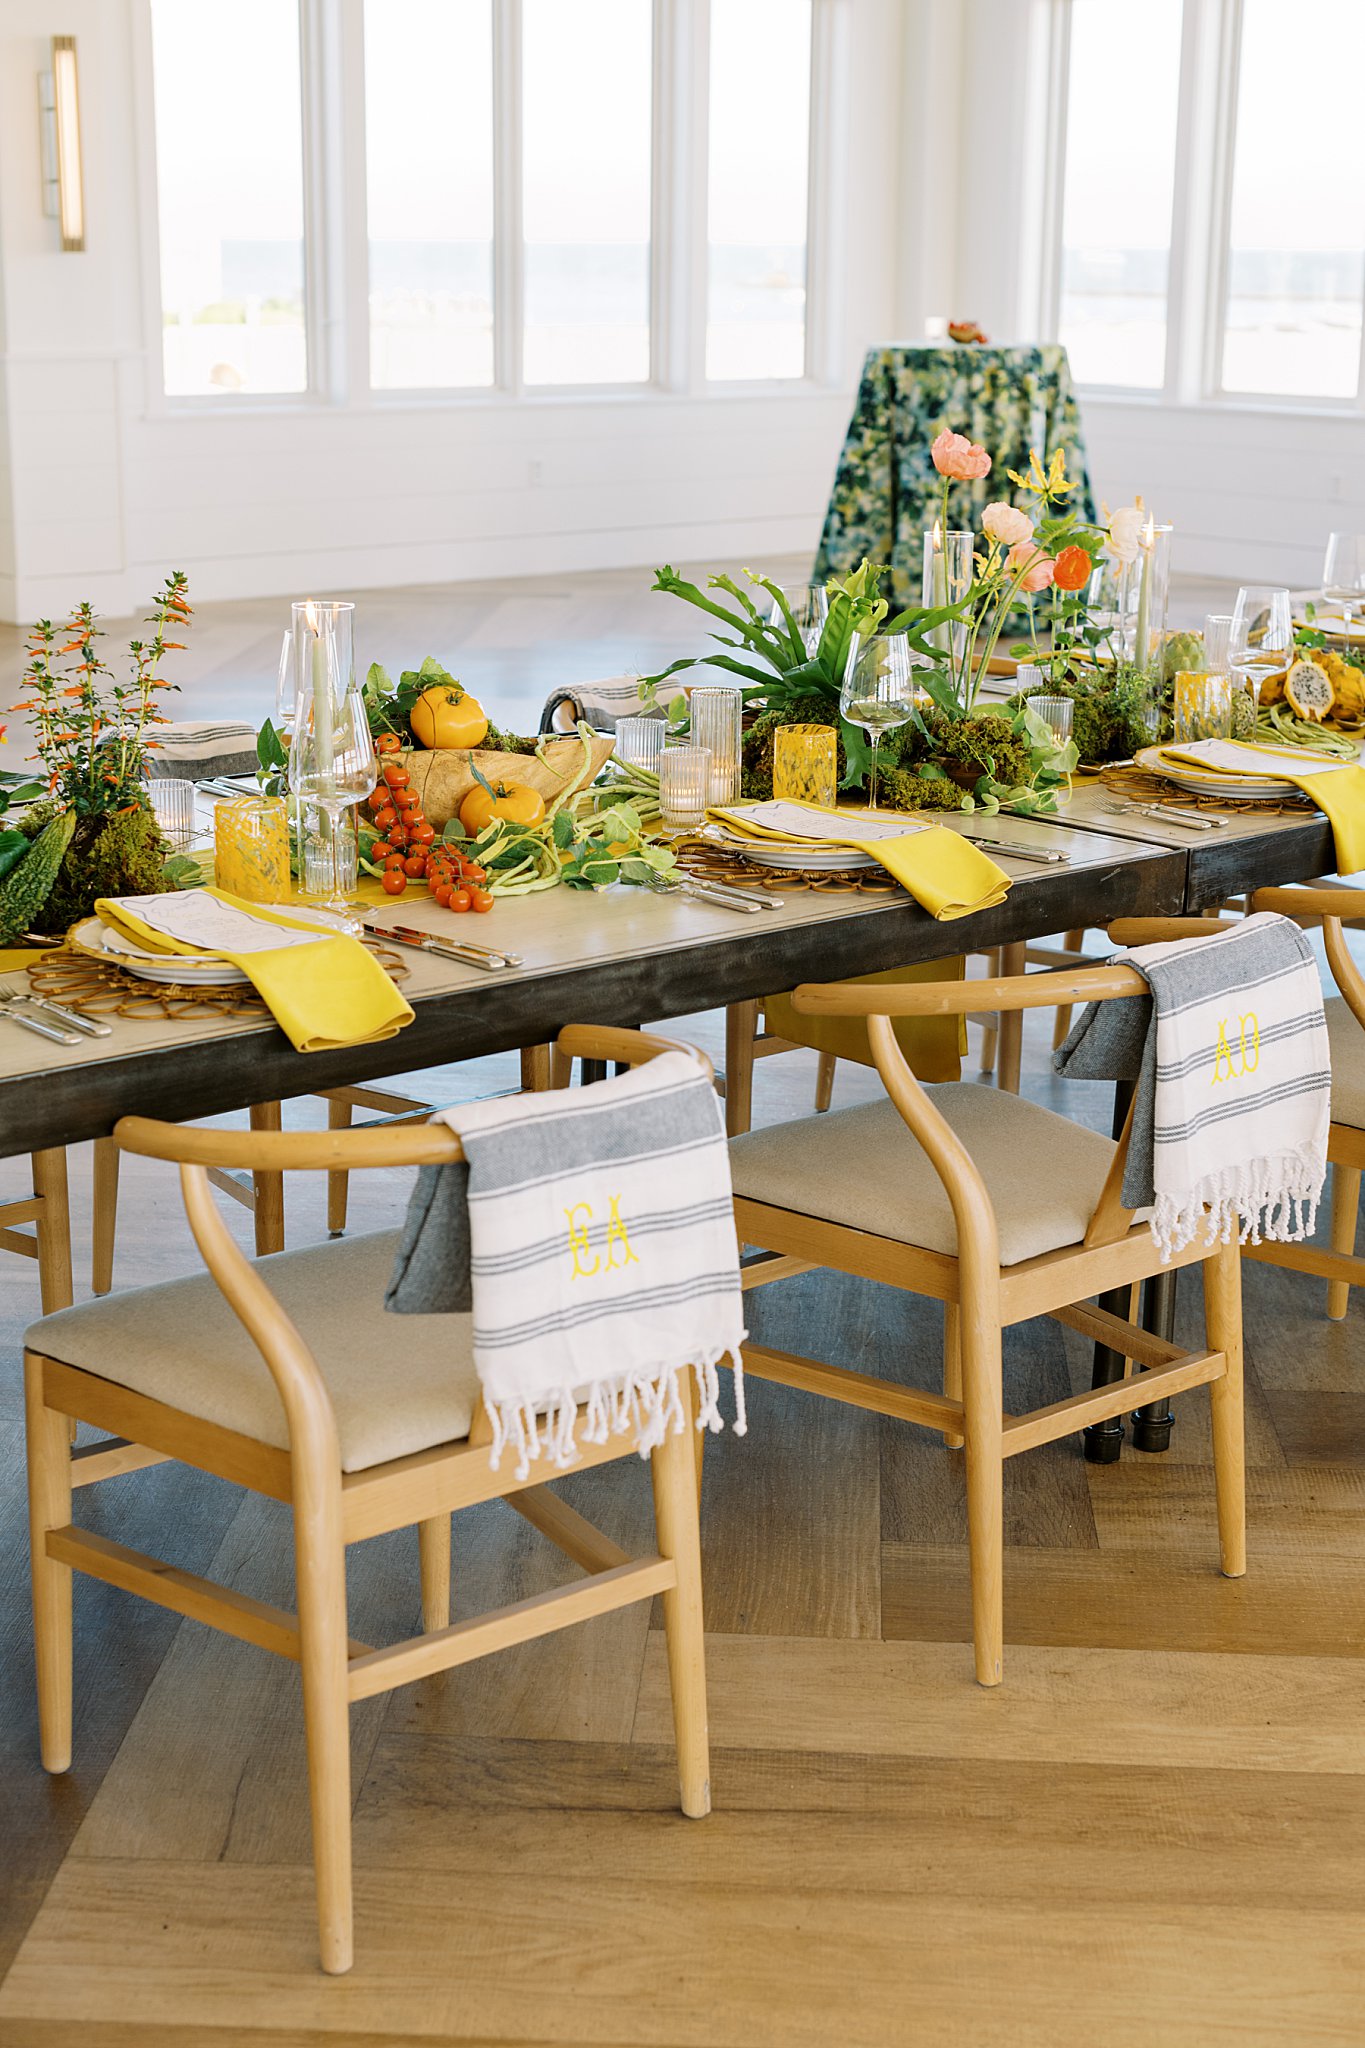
column 863, row 1168
column 1348, row 1063
column 398, row 1383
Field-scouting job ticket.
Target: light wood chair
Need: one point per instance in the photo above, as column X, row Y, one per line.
column 1002, row 1211
column 49, row 1241
column 1333, row 908
column 272, row 1376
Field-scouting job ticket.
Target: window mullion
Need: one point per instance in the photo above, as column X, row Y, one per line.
column 1226, row 46
column 1051, row 191
column 696, row 161
column 508, row 295
column 827, row 156
column 349, row 198
column 321, row 267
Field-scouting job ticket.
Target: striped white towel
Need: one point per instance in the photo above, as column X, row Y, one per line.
column 601, row 704
column 603, row 1256
column 1234, row 1083
column 203, row 747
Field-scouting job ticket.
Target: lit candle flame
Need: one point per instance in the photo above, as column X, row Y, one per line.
column 310, row 612
column 938, row 537
column 1149, row 533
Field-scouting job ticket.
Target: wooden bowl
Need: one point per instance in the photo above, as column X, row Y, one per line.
column 443, row 778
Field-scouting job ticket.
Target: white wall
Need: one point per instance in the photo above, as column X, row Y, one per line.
column 110, row 488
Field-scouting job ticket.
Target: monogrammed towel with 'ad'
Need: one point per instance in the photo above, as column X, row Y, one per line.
column 1234, row 1083
column 592, row 1230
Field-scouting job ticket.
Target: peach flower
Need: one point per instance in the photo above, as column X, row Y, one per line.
column 955, row 456
column 1006, row 524
column 1030, row 565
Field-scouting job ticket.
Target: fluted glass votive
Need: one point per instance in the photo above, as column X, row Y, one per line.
column 1056, row 713
column 715, row 714
column 684, row 787
column 172, row 801
column 640, row 742
column 805, row 764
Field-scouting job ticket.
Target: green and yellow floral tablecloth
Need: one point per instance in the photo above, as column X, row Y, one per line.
column 886, row 490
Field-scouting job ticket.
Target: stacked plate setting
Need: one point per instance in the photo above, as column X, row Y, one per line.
column 183, row 970
column 1209, row 782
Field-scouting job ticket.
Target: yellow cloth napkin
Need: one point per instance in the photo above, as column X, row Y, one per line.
column 327, row 994
column 933, row 1045
column 13, row 958
column 1336, row 787
column 945, row 873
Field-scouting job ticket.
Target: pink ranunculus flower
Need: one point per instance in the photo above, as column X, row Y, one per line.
column 1007, row 524
column 1031, row 565
column 956, row 457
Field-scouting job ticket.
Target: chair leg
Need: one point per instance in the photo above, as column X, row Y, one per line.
column 952, row 1364
column 1074, row 942
column 535, row 1069
column 981, row 1393
column 1345, row 1210
column 675, row 1475
column 990, row 1032
column 49, row 1507
column 320, row 1572
column 1223, row 1323
column 433, row 1555
column 53, row 1230
column 741, row 1029
column 1011, row 1026
column 824, row 1081
column 338, row 1184
column 269, row 1204
column 104, row 1214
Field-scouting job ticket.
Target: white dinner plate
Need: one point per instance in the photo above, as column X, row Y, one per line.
column 96, row 939
column 1208, row 782
column 787, row 858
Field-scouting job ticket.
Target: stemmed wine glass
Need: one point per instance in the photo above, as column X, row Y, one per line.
column 878, row 692
column 809, row 607
column 1343, row 573
column 332, row 761
column 1262, row 635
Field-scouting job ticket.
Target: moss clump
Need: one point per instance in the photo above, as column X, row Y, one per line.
column 909, row 789
column 498, row 742
column 118, row 854
column 986, row 741
column 1105, row 721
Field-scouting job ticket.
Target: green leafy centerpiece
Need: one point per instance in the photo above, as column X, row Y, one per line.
column 957, row 752
column 93, row 730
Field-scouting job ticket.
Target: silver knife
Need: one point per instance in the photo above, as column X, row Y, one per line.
column 424, row 942
column 1051, row 856
column 702, row 892
column 733, row 891
column 17, row 1016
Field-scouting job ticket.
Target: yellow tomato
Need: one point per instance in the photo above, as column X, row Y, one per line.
column 514, row 801
column 447, row 716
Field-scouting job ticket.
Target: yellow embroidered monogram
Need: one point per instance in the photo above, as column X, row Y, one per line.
column 1250, row 1053
column 580, row 1245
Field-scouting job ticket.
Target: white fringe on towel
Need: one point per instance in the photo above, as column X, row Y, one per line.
column 1274, row 1197
column 650, row 1404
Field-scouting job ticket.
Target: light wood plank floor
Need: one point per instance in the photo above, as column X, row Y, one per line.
column 1149, row 1837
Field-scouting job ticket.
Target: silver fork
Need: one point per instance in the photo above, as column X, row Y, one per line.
column 15, row 997
column 1200, row 821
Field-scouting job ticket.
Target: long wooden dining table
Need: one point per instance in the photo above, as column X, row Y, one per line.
column 630, row 956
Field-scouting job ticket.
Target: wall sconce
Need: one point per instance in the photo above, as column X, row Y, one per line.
column 59, row 118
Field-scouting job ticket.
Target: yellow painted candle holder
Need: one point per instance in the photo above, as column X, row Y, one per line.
column 805, row 764
column 251, row 849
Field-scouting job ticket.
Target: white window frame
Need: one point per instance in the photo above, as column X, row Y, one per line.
column 1201, row 218
column 336, row 242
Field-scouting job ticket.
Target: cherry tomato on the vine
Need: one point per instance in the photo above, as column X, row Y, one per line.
column 396, row 775
column 460, row 899
column 480, row 899
column 415, row 864
column 395, row 881
column 385, row 819
column 443, row 894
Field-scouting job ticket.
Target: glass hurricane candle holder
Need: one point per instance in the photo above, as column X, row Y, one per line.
column 949, row 566
column 715, row 719
column 251, row 848
column 805, row 764
column 684, row 787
